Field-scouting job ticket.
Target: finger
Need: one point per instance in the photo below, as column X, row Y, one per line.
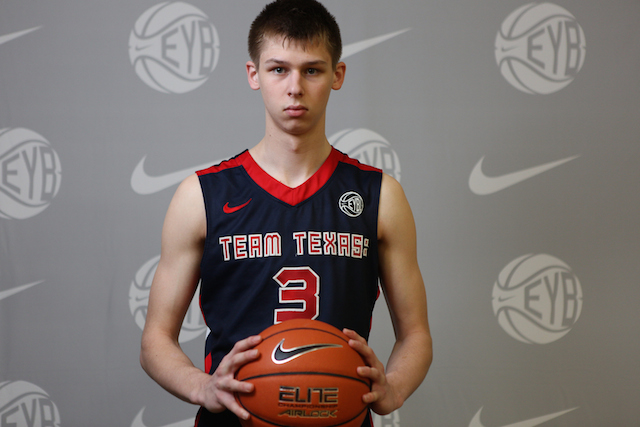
column 246, row 344
column 235, row 386
column 372, row 373
column 232, row 404
column 353, row 335
column 241, row 354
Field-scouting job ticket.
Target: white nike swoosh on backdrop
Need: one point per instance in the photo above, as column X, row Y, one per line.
column 13, row 291
column 353, row 48
column 482, row 184
column 475, row 422
column 144, row 184
column 9, row 37
column 139, row 423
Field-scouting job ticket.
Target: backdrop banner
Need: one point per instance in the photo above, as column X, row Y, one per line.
column 513, row 126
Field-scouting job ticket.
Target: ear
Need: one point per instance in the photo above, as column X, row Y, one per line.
column 338, row 75
column 252, row 75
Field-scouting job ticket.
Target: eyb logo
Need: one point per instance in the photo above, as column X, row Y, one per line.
column 537, row 299
column 173, row 47
column 30, row 173
column 540, row 48
column 26, row 404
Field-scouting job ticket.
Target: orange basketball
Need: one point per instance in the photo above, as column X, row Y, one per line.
column 305, row 376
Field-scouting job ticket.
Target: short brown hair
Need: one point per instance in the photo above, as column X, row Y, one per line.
column 305, row 21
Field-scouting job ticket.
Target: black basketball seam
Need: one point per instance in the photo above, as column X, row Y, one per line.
column 306, row 328
column 275, row 374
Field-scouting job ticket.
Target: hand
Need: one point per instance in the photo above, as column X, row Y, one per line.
column 382, row 397
column 220, row 388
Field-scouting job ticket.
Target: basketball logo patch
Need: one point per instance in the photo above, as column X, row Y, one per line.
column 173, row 47
column 30, row 173
column 540, row 48
column 537, row 299
column 351, row 204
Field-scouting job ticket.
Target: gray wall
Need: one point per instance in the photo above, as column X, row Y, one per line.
column 530, row 257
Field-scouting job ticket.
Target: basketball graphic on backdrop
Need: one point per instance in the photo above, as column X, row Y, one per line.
column 174, row 47
column 306, row 375
column 193, row 325
column 30, row 173
column 537, row 299
column 26, row 404
column 540, row 48
column 369, row 148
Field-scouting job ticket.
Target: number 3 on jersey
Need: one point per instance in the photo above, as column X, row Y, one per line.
column 299, row 287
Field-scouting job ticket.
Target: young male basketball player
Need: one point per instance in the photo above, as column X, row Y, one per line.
column 290, row 228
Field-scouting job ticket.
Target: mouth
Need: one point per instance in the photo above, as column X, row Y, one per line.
column 295, row 110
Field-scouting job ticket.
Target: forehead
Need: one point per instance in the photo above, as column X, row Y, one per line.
column 281, row 48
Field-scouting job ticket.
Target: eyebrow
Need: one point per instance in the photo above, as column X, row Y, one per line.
column 276, row 61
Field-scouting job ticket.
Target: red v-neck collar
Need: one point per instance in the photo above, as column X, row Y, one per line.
column 291, row 196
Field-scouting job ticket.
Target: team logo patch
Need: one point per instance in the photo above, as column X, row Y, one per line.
column 351, row 204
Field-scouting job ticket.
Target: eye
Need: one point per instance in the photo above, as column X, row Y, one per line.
column 312, row 71
column 278, row 70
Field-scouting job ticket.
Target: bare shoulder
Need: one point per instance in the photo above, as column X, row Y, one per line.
column 394, row 212
column 186, row 213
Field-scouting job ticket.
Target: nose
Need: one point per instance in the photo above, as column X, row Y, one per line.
column 295, row 84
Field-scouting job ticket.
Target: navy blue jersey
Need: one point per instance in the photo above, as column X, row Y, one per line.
column 274, row 253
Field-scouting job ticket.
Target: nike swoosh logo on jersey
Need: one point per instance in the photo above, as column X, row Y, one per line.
column 282, row 355
column 231, row 209
column 18, row 289
column 482, row 184
column 475, row 422
column 137, row 422
column 144, row 184
column 9, row 37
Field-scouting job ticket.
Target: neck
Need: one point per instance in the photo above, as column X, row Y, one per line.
column 292, row 160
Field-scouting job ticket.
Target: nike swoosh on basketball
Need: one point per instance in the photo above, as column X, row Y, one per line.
column 144, row 184
column 231, row 209
column 13, row 291
column 282, row 355
column 9, row 37
column 475, row 422
column 481, row 184
column 137, row 422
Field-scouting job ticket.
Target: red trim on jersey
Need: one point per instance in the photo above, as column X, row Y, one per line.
column 354, row 162
column 291, row 196
column 227, row 164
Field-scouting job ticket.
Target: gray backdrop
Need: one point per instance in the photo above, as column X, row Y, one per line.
column 513, row 127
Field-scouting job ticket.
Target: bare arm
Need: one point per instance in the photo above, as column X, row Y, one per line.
column 172, row 290
column 406, row 298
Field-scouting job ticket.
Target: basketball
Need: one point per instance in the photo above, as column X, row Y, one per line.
column 305, row 376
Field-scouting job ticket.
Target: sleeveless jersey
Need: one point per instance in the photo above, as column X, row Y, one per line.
column 274, row 253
